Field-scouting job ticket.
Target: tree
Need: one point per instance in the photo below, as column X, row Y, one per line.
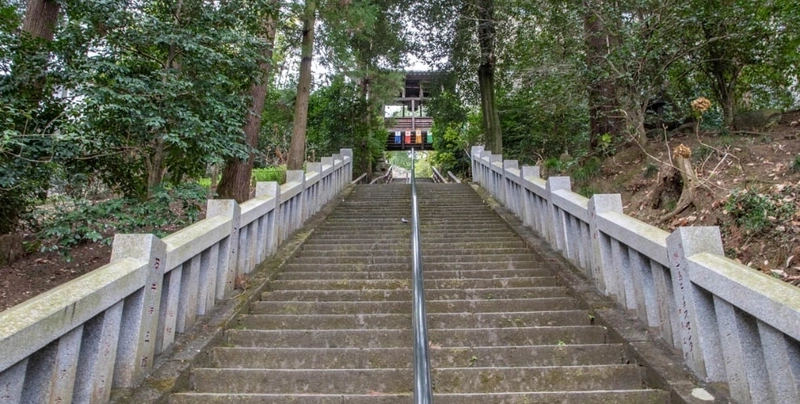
column 604, row 114
column 26, row 154
column 298, row 146
column 486, row 39
column 164, row 96
column 235, row 181
column 743, row 39
column 451, row 29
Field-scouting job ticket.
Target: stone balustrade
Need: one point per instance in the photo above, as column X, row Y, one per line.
column 733, row 324
column 77, row 342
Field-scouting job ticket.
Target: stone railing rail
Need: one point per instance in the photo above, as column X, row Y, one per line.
column 733, row 324
column 101, row 331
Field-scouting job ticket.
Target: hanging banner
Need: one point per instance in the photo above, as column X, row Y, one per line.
column 419, row 135
column 408, row 137
column 397, row 137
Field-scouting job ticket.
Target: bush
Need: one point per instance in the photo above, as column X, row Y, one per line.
column 270, row 174
column 79, row 222
column 757, row 213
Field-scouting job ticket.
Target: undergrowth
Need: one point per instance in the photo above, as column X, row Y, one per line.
column 757, row 213
column 74, row 222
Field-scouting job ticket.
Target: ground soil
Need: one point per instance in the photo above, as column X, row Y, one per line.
column 761, row 162
column 725, row 163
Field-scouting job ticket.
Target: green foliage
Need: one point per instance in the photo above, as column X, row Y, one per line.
column 78, row 221
column 454, row 131
column 338, row 117
column 400, row 159
column 796, row 163
column 422, row 166
column 758, row 213
column 650, row 171
column 589, row 169
column 587, row 191
column 554, row 165
column 277, row 174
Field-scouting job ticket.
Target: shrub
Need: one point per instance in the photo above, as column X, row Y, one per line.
column 757, row 213
column 78, row 222
column 591, row 168
column 270, row 174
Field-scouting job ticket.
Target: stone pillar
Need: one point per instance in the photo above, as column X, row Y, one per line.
column 510, row 189
column 269, row 240
column 228, row 249
column 529, row 217
column 296, row 206
column 140, row 314
column 557, row 235
column 349, row 166
column 476, row 171
column 327, row 182
column 603, row 270
column 313, row 201
column 700, row 340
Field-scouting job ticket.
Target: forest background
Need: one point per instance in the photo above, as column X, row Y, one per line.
column 125, row 115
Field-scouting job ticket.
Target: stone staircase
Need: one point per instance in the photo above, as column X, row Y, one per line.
column 335, row 325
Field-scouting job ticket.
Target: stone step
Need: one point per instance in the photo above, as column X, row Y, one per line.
column 404, row 251
column 372, row 358
column 387, row 380
column 428, row 267
column 568, row 335
column 430, row 284
column 380, row 245
column 405, row 295
column 441, row 237
column 403, row 320
column 435, row 306
column 510, row 258
column 561, row 397
column 364, row 272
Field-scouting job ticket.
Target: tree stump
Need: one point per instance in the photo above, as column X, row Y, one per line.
column 682, row 157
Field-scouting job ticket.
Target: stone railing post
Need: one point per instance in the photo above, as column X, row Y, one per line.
column 700, row 339
column 603, row 270
column 228, row 250
column 348, row 172
column 296, row 210
column 140, row 312
column 327, row 182
column 476, row 168
column 509, row 188
column 270, row 189
column 528, row 204
column 556, row 232
column 486, row 172
column 338, row 174
column 498, row 180
column 313, row 199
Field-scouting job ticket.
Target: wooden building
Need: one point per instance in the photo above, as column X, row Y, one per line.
column 410, row 126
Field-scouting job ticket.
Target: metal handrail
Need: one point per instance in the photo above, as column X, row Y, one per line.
column 386, row 177
column 453, row 177
column 357, row 180
column 422, row 366
column 437, row 176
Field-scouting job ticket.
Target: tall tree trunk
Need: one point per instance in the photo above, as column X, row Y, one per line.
column 298, row 146
column 30, row 66
column 366, row 121
column 486, row 38
column 156, row 165
column 235, row 182
column 603, row 103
